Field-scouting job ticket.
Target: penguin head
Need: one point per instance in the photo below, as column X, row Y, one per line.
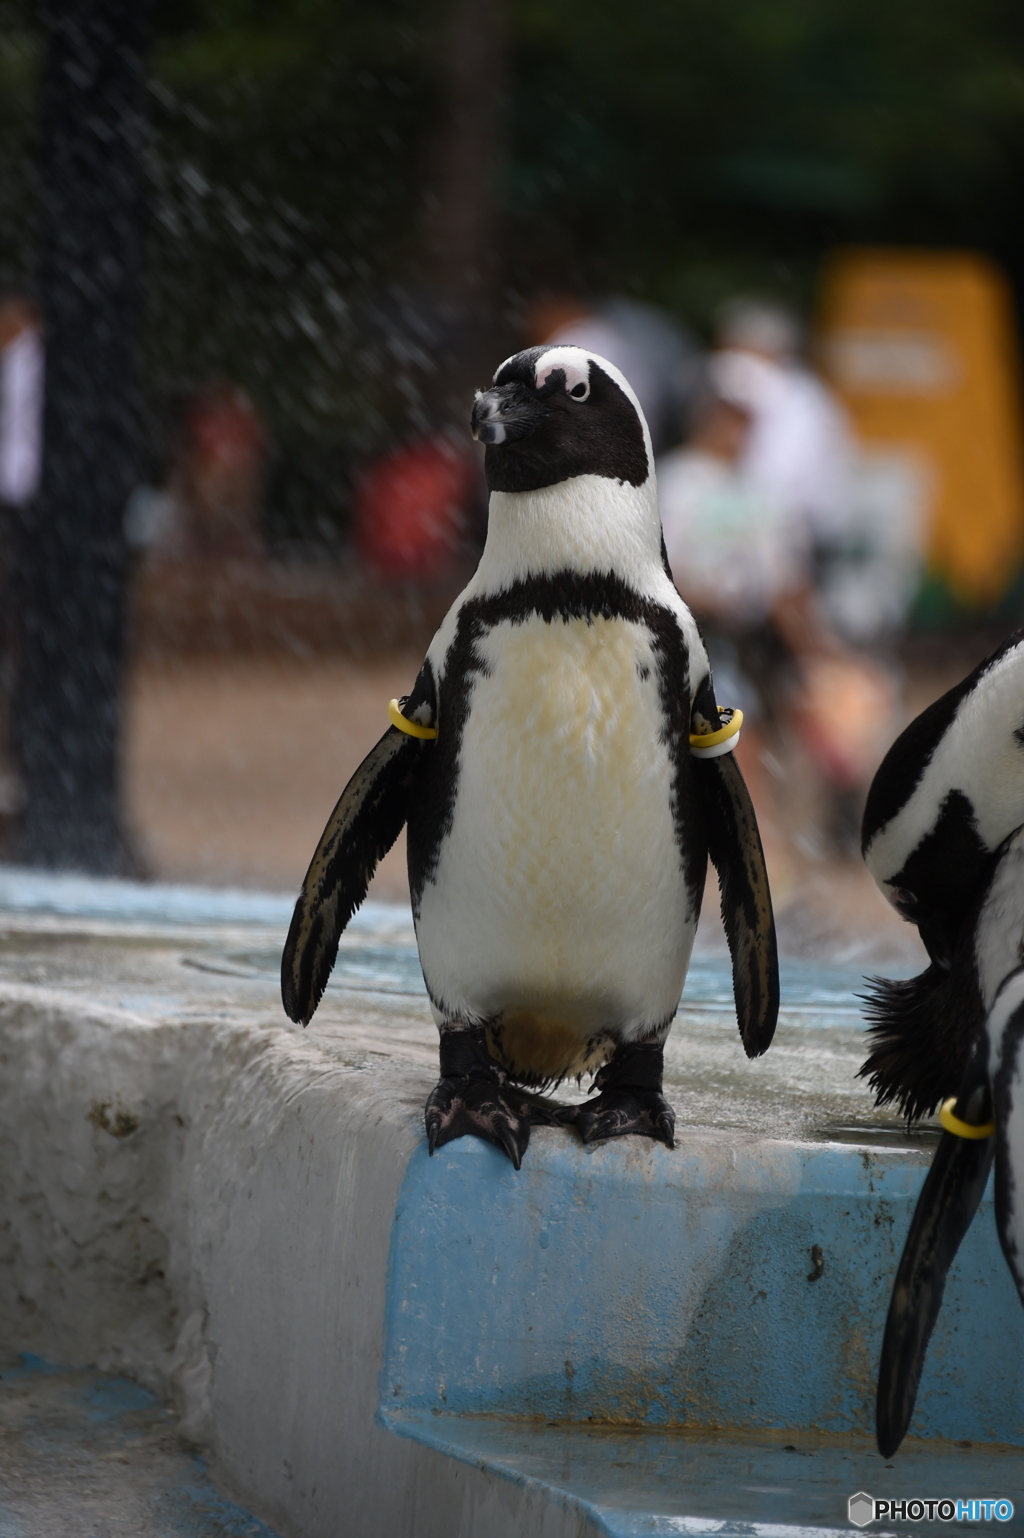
column 553, row 413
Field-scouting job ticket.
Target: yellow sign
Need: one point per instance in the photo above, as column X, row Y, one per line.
column 921, row 347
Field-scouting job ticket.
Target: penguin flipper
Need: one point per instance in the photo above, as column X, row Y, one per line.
column 369, row 816
column 945, row 1209
column 1009, row 1138
column 734, row 845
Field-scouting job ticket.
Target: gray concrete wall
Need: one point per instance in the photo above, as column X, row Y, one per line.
column 208, row 1207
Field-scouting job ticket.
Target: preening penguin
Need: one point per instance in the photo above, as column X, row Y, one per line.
column 948, row 792
column 943, row 837
column 560, row 813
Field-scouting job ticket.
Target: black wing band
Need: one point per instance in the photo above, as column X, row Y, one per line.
column 362, row 828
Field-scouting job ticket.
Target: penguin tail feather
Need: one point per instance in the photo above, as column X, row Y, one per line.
column 921, row 1030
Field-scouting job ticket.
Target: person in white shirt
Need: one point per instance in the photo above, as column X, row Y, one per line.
column 734, row 547
column 800, row 448
column 742, row 549
column 21, row 457
column 21, row 400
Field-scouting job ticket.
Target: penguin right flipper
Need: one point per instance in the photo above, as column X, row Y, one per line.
column 1009, row 1114
column 734, row 845
column 368, row 818
column 945, row 1210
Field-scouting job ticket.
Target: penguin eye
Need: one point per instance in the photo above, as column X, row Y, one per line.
column 580, row 391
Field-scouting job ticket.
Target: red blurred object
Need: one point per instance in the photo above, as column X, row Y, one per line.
column 846, row 710
column 410, row 510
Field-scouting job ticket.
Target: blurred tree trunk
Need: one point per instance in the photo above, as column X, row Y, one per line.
column 72, row 559
column 463, row 269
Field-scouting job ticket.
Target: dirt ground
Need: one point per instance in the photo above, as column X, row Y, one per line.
column 232, row 768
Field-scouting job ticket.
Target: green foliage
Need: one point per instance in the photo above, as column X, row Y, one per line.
column 678, row 149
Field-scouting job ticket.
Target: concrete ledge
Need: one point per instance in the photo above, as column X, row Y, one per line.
column 243, row 1218
column 732, row 1283
column 203, row 1202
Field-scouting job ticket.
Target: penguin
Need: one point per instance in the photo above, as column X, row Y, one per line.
column 944, row 839
column 947, row 794
column 564, row 772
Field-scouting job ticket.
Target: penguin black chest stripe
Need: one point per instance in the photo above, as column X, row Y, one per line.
column 561, row 596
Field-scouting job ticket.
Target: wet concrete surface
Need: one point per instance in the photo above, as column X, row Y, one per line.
column 86, row 1455
column 727, row 1485
column 221, row 959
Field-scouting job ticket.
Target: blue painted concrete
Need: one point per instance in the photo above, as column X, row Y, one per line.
column 628, row 1283
column 85, row 1454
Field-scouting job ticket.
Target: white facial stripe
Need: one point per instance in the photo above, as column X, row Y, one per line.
column 577, row 378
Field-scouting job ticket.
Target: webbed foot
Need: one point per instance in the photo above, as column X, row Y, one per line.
column 474, row 1098
column 630, row 1099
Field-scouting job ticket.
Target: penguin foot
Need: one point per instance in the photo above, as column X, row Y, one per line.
column 473, row 1098
column 617, row 1112
column 630, row 1098
column 481, row 1107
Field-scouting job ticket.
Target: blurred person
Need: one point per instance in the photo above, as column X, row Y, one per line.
column 742, row 554
column 800, row 449
column 220, row 474
column 22, row 369
column 735, row 557
column 862, row 513
column 732, row 544
column 21, row 400
column 211, row 509
column 657, row 355
column 739, row 554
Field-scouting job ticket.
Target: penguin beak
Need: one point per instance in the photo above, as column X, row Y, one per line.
column 504, row 414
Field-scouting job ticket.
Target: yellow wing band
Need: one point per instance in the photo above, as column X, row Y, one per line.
column 959, row 1128
column 410, row 728
column 724, row 740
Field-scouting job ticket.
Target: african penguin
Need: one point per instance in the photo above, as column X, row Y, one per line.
column 948, row 792
column 559, row 823
column 944, row 839
column 983, row 1121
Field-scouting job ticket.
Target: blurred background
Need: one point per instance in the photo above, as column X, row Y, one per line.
column 254, row 260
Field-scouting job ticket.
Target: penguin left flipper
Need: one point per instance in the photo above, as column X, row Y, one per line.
column 368, row 818
column 734, row 845
column 945, row 1210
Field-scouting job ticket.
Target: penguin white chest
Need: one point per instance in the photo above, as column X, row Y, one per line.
column 560, row 889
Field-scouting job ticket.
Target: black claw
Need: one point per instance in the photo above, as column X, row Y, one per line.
column 511, row 1147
